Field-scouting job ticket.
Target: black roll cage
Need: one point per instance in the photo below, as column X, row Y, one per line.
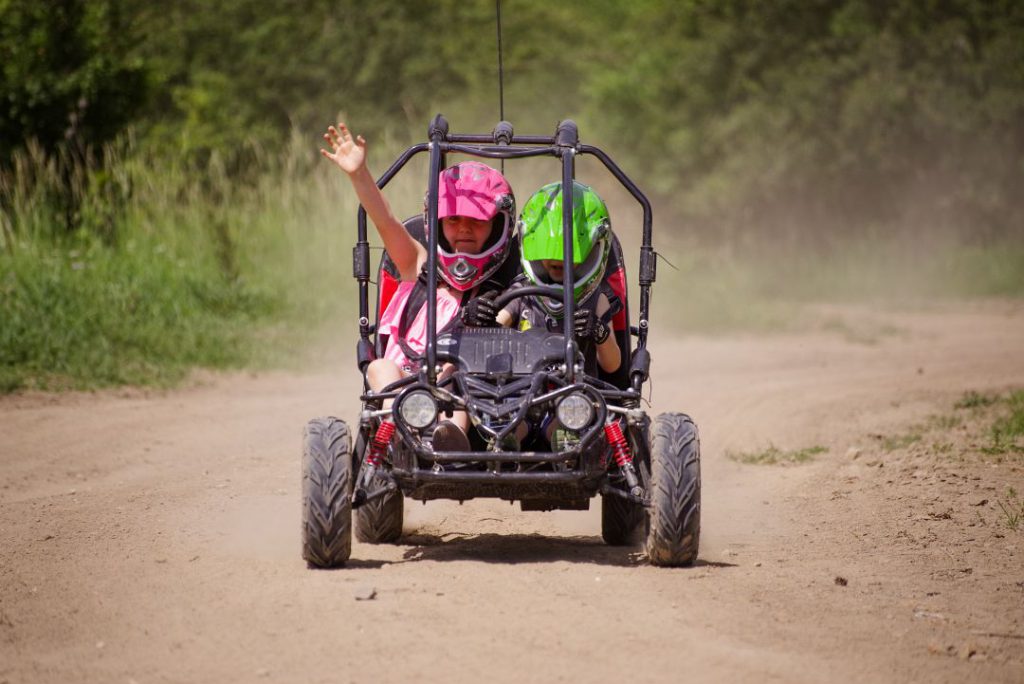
column 503, row 144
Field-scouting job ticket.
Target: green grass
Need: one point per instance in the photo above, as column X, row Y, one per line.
column 973, row 400
column 992, row 424
column 1010, row 427
column 1012, row 508
column 172, row 269
column 1007, row 431
column 944, row 422
column 894, row 442
column 95, row 316
column 773, row 455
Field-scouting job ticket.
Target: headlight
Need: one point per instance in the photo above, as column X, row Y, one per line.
column 418, row 409
column 575, row 412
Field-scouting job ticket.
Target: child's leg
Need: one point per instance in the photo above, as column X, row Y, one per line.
column 450, row 434
column 381, row 373
column 460, row 418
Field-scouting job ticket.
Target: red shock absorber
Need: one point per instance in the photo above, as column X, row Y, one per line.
column 613, row 433
column 379, row 444
column 624, row 459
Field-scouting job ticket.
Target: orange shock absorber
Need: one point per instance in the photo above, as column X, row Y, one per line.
column 620, row 448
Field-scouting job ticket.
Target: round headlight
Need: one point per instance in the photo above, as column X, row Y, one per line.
column 418, row 409
column 575, row 412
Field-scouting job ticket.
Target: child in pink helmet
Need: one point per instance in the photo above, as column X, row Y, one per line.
column 476, row 209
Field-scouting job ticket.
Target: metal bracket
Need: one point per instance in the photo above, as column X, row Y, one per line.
column 607, row 489
column 360, row 497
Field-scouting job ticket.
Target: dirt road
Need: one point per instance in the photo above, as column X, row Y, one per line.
column 153, row 537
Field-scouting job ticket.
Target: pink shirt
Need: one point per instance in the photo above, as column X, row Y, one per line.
column 416, row 335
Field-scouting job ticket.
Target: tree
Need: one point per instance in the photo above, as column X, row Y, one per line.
column 65, row 80
column 800, row 116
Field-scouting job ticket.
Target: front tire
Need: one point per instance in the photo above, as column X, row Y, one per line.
column 673, row 521
column 378, row 521
column 326, row 493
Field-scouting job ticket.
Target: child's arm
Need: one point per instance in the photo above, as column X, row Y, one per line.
column 480, row 313
column 349, row 154
column 509, row 316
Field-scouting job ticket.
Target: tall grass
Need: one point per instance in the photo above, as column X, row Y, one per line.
column 167, row 267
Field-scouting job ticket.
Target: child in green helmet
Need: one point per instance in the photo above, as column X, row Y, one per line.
column 541, row 253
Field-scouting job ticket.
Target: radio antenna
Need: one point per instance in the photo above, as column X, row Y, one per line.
column 501, row 77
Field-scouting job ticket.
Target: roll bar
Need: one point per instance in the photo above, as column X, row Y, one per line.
column 502, row 143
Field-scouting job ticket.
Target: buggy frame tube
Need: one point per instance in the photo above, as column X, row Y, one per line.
column 568, row 276
column 432, row 230
column 647, row 256
column 516, row 139
column 483, row 477
column 502, row 152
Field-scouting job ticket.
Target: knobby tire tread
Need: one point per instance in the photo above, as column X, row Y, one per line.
column 378, row 521
column 621, row 521
column 673, row 533
column 326, row 493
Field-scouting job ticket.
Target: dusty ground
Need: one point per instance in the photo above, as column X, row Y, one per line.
column 149, row 537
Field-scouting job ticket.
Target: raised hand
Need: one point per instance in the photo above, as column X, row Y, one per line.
column 347, row 152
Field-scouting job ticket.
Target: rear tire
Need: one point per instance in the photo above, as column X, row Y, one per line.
column 621, row 521
column 326, row 493
column 673, row 521
column 378, row 521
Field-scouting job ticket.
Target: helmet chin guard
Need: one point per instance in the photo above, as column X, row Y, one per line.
column 462, row 270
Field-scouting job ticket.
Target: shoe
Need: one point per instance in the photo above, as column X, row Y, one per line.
column 449, row 437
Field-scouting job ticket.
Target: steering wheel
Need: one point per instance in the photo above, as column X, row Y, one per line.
column 516, row 292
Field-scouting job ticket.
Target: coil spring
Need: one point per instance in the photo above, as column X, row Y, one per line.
column 613, row 433
column 379, row 444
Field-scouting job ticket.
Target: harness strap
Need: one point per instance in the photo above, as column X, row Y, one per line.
column 614, row 302
column 417, row 299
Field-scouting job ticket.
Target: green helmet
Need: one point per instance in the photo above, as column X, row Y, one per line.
column 540, row 235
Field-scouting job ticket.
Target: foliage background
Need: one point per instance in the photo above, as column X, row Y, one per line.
column 162, row 205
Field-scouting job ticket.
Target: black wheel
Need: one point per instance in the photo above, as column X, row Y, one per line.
column 673, row 520
column 326, row 493
column 378, row 521
column 621, row 521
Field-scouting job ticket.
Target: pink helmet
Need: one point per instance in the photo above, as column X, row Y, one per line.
column 476, row 191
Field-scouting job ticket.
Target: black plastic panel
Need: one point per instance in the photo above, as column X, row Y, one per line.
column 529, row 351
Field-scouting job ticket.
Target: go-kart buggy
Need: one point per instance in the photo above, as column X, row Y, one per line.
column 647, row 473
